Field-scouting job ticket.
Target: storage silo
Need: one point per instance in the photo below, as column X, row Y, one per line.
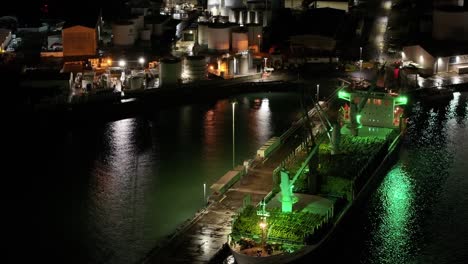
column 136, row 81
column 219, row 36
column 241, row 20
column 124, row 33
column 170, row 70
column 255, row 32
column 243, row 65
column 232, row 16
column 203, row 34
column 145, row 34
column 195, row 68
column 233, row 3
column 240, row 40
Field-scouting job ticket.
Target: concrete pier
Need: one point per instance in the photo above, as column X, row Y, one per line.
column 205, row 236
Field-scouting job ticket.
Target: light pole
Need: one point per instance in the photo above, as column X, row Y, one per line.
column 263, row 226
column 141, row 60
column 204, row 193
column 360, row 63
column 318, row 89
column 122, row 63
column 233, row 135
column 439, row 60
column 259, row 41
column 264, row 68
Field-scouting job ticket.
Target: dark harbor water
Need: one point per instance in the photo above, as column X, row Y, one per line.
column 419, row 213
column 107, row 193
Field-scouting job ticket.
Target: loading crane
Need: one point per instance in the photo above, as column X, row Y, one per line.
column 357, row 107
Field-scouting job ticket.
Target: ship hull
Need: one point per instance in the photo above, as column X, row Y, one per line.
column 315, row 249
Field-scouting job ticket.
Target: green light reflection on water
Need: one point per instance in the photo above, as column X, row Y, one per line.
column 393, row 233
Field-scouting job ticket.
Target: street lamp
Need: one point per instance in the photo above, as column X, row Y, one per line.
column 141, row 60
column 122, row 63
column 360, row 63
column 317, row 95
column 204, row 193
column 233, row 134
column 263, row 226
column 259, row 41
column 439, row 61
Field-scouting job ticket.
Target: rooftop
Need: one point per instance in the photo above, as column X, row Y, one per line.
column 444, row 48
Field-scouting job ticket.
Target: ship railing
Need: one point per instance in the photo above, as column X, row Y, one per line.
column 269, row 239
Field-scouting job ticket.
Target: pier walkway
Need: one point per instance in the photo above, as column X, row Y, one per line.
column 200, row 241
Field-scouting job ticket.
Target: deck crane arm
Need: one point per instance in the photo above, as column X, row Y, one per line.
column 363, row 101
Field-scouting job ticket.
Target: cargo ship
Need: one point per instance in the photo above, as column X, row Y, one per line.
column 327, row 177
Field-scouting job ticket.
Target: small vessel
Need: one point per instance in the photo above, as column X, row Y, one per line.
column 314, row 191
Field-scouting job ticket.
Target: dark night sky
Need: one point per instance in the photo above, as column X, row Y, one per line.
column 31, row 10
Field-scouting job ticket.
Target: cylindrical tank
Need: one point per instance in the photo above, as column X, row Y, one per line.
column 232, row 16
column 145, row 34
column 203, row 34
column 136, row 82
column 241, row 20
column 170, row 70
column 255, row 34
column 124, row 33
column 243, row 65
column 232, row 66
column 240, row 40
column 450, row 23
column 219, row 36
column 233, row 3
column 195, row 67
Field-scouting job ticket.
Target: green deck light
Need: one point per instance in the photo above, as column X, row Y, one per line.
column 401, row 100
column 344, row 95
column 358, row 119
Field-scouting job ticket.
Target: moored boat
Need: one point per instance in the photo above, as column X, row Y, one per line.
column 322, row 183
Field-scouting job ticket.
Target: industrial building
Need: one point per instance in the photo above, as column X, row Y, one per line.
column 219, row 36
column 170, row 72
column 79, row 41
column 336, row 4
column 448, row 49
column 124, row 33
column 430, row 58
column 194, row 68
